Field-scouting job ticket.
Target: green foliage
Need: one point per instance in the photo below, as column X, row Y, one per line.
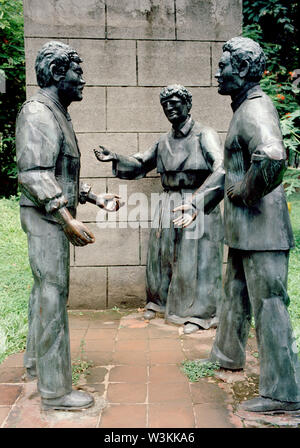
column 290, row 126
column 80, row 367
column 15, row 280
column 197, row 369
column 275, row 26
column 12, row 58
column 291, row 181
column 294, row 268
column 277, row 22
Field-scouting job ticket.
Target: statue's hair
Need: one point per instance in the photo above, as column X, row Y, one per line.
column 244, row 48
column 178, row 90
column 53, row 53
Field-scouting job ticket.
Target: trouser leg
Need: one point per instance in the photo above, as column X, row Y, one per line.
column 48, row 250
column 235, row 316
column 266, row 276
column 30, row 354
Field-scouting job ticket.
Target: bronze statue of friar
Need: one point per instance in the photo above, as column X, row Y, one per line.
column 184, row 267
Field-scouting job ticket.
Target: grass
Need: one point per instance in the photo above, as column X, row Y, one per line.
column 196, row 369
column 294, row 268
column 16, row 280
column 80, row 367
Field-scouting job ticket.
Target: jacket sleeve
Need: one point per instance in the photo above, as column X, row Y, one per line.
column 135, row 166
column 267, row 152
column 38, row 141
column 211, row 191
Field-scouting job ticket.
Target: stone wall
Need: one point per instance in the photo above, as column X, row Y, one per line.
column 130, row 49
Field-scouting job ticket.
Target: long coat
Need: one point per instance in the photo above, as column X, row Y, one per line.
column 183, row 276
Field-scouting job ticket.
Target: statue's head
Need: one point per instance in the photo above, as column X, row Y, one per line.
column 54, row 55
column 243, row 61
column 176, row 102
column 58, row 64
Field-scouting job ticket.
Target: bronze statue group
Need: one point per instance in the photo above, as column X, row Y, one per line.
column 185, row 250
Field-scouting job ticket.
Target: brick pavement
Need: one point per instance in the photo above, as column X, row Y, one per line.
column 136, row 380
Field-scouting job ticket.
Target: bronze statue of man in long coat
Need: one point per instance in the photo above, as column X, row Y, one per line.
column 183, row 275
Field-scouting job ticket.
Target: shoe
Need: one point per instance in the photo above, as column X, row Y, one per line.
column 262, row 404
column 74, row 401
column 190, row 328
column 149, row 314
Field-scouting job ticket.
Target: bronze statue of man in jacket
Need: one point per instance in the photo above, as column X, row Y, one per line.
column 257, row 231
column 48, row 160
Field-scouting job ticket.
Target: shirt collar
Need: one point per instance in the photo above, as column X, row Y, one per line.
column 243, row 94
column 185, row 129
column 55, row 100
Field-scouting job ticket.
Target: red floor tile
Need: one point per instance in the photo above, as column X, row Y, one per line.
column 166, row 357
column 130, row 357
column 132, row 333
column 26, row 417
column 128, row 374
column 211, row 416
column 169, row 393
column 171, row 415
column 100, row 333
column 134, row 345
column 164, row 344
column 124, row 416
column 168, row 373
column 126, row 393
column 9, row 394
column 4, row 411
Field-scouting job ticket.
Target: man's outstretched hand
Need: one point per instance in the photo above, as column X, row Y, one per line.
column 109, row 202
column 185, row 219
column 104, row 155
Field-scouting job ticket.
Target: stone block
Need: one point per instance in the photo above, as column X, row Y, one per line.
column 88, row 115
column 123, row 143
column 88, row 288
column 135, row 109
column 64, row 18
column 145, row 19
column 208, row 19
column 145, row 141
column 137, row 197
column 216, row 56
column 210, row 108
column 163, row 63
column 72, row 255
column 88, row 212
column 145, row 233
column 113, row 246
column 107, row 62
column 223, row 137
column 31, row 90
column 126, row 286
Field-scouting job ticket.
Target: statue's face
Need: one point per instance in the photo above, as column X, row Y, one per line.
column 71, row 86
column 176, row 110
column 228, row 78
